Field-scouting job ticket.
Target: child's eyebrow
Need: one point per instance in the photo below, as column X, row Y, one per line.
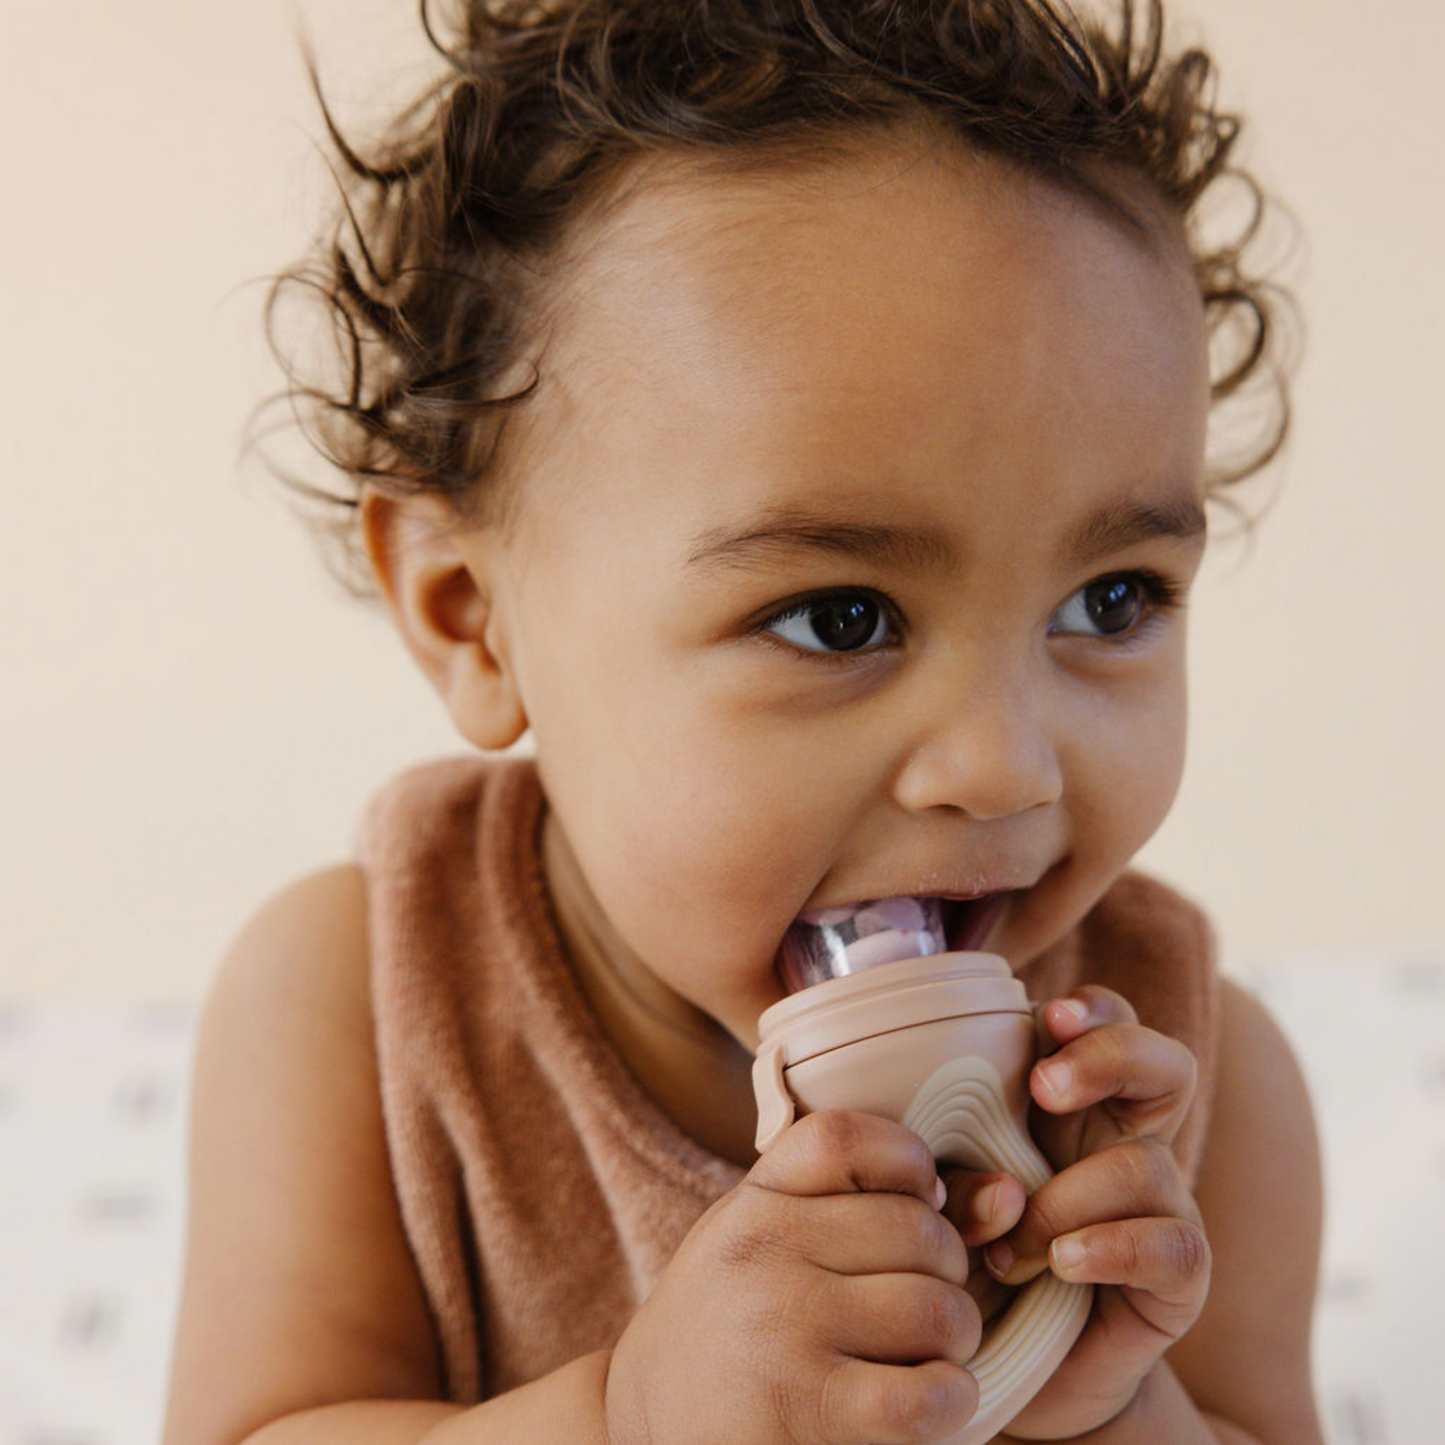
column 1124, row 524
column 1110, row 529
column 781, row 534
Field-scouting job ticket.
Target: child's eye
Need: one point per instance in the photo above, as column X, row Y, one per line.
column 1116, row 605
column 834, row 622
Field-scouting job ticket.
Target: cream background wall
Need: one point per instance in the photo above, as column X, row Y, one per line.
column 193, row 715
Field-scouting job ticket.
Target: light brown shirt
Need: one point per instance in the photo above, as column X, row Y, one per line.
column 542, row 1191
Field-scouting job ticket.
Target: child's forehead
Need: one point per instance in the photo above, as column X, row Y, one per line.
column 733, row 209
column 897, row 226
column 862, row 327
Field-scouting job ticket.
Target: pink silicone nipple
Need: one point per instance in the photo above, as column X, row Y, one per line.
column 837, row 941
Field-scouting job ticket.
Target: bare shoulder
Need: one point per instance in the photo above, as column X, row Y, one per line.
column 294, row 1232
column 1247, row 1358
column 306, row 944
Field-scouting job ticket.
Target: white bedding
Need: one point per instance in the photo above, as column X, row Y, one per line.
column 92, row 1127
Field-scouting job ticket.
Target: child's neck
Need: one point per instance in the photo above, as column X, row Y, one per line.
column 696, row 1072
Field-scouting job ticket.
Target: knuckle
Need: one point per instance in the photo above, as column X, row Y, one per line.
column 1179, row 1065
column 1128, row 1253
column 831, row 1136
column 944, row 1316
column 922, row 1157
column 952, row 1254
column 939, row 1236
column 854, row 1146
column 743, row 1251
column 754, row 1236
column 824, row 1416
column 967, row 1327
column 1106, row 1003
column 1187, row 1251
column 1045, row 1216
column 916, row 1156
column 928, row 1404
column 900, row 1403
column 1188, row 1071
column 800, row 1413
column 1149, row 1171
column 1111, row 1062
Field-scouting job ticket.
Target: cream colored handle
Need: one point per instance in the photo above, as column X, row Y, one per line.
column 962, row 1115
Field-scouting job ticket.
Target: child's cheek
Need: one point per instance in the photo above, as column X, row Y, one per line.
column 1137, row 747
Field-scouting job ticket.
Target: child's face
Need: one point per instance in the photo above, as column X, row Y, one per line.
column 854, row 500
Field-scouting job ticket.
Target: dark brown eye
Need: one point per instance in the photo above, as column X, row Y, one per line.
column 845, row 623
column 1113, row 603
column 842, row 622
column 1108, row 607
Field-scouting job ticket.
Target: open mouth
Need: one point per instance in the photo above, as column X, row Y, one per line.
column 968, row 922
column 833, row 942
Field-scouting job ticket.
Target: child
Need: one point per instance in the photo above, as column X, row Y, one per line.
column 792, row 413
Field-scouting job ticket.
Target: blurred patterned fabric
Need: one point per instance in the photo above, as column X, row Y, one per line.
column 92, row 1200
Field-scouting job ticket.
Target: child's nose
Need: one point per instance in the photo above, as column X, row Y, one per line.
column 991, row 754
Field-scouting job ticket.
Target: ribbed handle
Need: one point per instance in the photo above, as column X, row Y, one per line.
column 962, row 1114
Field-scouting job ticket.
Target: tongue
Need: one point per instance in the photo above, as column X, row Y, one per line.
column 838, row 941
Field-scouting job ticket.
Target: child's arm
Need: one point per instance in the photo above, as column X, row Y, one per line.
column 1260, row 1191
column 302, row 1320
column 299, row 1287
column 822, row 1300
column 1202, row 1321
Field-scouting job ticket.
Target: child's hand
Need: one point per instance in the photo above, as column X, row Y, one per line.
column 821, row 1302
column 1113, row 1095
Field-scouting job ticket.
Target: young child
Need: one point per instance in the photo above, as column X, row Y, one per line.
column 793, row 414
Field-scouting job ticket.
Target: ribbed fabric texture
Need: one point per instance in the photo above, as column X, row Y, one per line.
column 541, row 1190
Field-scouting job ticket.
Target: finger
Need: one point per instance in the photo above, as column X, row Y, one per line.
column 1145, row 1078
column 982, row 1207
column 840, row 1152
column 902, row 1319
column 1166, row 1261
column 1138, row 1179
column 1090, row 1006
column 863, row 1403
column 874, row 1233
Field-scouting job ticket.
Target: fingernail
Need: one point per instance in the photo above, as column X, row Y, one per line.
column 999, row 1258
column 988, row 1201
column 1067, row 1254
column 940, row 1193
column 1056, row 1078
column 1074, row 1006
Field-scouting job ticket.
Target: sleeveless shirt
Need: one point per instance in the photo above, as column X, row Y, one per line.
column 542, row 1191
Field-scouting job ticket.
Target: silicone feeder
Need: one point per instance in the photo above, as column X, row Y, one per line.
column 887, row 1022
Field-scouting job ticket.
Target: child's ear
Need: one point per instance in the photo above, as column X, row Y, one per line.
column 433, row 574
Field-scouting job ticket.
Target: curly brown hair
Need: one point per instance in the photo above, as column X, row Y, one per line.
column 450, row 224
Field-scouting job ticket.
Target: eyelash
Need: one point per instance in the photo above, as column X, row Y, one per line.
column 1161, row 597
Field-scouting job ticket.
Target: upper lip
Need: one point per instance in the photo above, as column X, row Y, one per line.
column 969, row 893
column 957, row 885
